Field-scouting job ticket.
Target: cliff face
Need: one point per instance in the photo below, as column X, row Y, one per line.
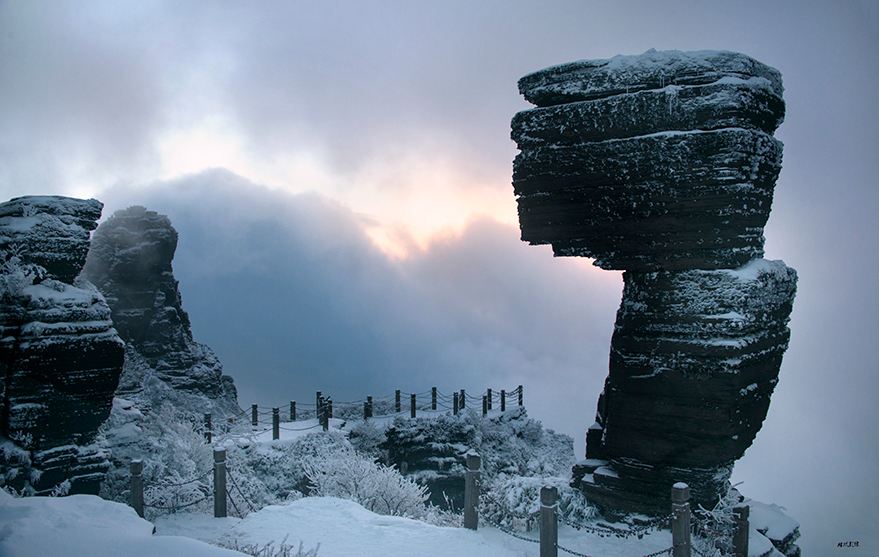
column 59, row 355
column 130, row 263
column 663, row 165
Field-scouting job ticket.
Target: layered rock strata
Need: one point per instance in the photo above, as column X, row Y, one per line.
column 663, row 165
column 662, row 161
column 60, row 355
column 130, row 263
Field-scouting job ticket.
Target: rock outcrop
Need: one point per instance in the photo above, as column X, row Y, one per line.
column 60, row 357
column 663, row 165
column 663, row 161
column 130, row 263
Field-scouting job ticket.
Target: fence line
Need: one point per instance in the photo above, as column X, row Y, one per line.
column 683, row 522
column 387, row 405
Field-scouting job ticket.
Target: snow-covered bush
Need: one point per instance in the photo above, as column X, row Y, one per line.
column 367, row 438
column 15, row 468
column 379, row 488
column 269, row 550
column 514, row 501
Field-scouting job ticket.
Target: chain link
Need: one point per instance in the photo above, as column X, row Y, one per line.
column 571, row 551
column 668, row 550
column 181, row 484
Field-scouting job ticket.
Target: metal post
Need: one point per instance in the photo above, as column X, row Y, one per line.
column 254, row 415
column 549, row 522
column 433, row 398
column 292, row 410
column 276, row 424
column 520, row 395
column 471, row 491
column 207, row 426
column 503, row 400
column 397, row 401
column 136, row 467
column 740, row 536
column 329, row 407
column 412, row 405
column 369, row 403
column 455, row 403
column 484, row 405
column 680, row 525
column 219, row 483
column 488, row 396
column 461, row 398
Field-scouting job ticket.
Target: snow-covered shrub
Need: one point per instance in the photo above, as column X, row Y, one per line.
column 514, row 501
column 269, row 550
column 714, row 528
column 513, row 444
column 378, row 488
column 367, row 438
column 15, row 468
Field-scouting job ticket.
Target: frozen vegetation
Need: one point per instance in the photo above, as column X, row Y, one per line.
column 327, row 493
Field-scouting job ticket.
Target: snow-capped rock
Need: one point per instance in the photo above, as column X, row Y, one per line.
column 663, row 165
column 60, row 355
column 663, row 161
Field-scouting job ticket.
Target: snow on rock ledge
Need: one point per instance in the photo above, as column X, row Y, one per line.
column 50, row 231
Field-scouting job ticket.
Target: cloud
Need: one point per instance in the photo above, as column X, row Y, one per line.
column 294, row 297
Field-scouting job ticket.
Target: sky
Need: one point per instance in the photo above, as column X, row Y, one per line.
column 339, row 173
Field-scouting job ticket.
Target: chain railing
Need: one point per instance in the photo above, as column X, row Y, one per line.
column 386, row 406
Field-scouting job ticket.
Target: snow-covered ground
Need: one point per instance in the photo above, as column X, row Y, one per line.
column 87, row 526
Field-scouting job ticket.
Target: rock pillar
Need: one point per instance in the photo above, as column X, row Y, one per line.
column 663, row 165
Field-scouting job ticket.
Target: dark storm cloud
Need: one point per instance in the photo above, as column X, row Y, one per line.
column 293, row 296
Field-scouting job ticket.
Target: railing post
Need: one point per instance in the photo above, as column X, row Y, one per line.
column 484, row 405
column 549, row 522
column 207, row 426
column 219, row 483
column 520, row 395
column 292, row 410
column 740, row 536
column 471, row 491
column 488, row 397
column 412, row 405
column 317, row 406
column 397, row 401
column 369, row 405
column 433, row 398
column 455, row 403
column 254, row 415
column 136, row 484
column 461, row 398
column 680, row 524
column 276, row 424
column 322, row 417
column 503, row 400
column 329, row 405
